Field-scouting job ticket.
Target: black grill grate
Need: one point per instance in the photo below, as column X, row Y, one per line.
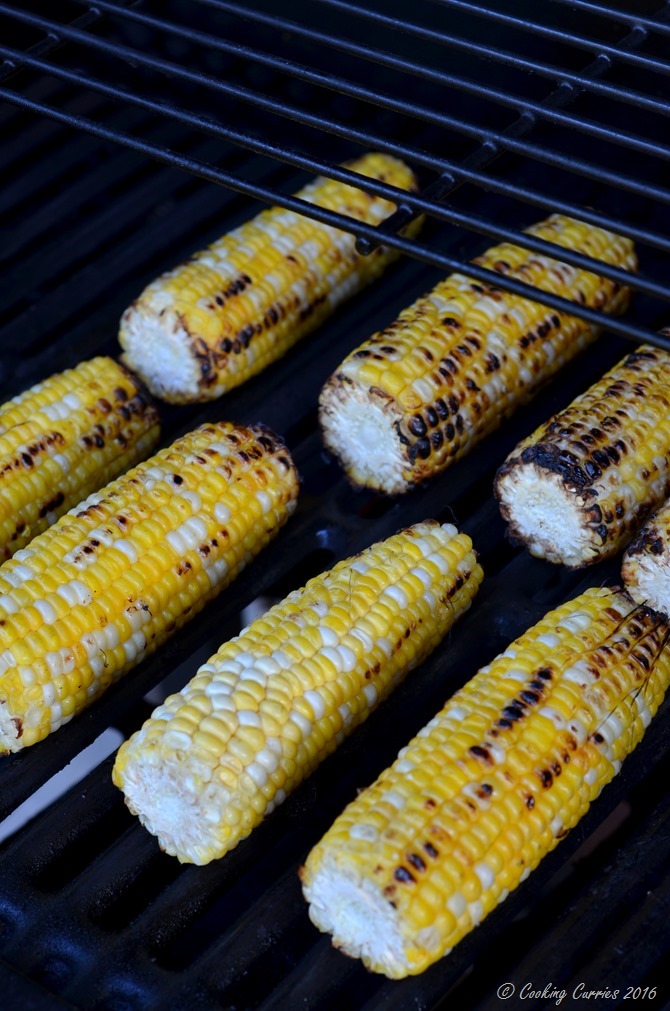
column 90, row 912
column 603, row 82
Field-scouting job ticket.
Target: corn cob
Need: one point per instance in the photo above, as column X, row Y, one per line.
column 419, row 394
column 646, row 564
column 262, row 713
column 63, row 439
column 578, row 488
column 490, row 785
column 229, row 311
column 105, row 586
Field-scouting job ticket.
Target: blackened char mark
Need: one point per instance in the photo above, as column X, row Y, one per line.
column 647, row 542
column 558, row 461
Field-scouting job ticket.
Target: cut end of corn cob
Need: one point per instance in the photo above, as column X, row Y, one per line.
column 233, row 308
column 63, row 439
column 577, row 489
column 491, row 785
column 419, row 394
column 646, row 564
column 105, row 586
column 261, row 714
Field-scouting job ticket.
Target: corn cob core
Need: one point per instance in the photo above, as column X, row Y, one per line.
column 105, row 586
column 490, row 785
column 577, row 489
column 646, row 564
column 419, row 394
column 260, row 715
column 63, row 439
column 229, row 311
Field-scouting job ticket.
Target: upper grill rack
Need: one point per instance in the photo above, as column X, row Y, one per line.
column 605, row 80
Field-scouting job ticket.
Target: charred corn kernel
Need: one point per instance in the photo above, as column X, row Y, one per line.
column 261, row 714
column 416, row 861
column 646, row 564
column 63, row 439
column 230, row 310
column 577, row 489
column 105, row 586
column 419, row 394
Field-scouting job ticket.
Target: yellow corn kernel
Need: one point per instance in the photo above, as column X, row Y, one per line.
column 63, row 439
column 420, row 394
column 229, row 311
column 577, row 489
column 495, row 803
column 279, row 700
column 105, row 586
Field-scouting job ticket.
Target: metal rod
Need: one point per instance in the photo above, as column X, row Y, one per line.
column 299, row 160
column 334, row 83
column 614, row 15
column 417, row 202
column 212, row 173
column 426, row 35
column 484, row 136
column 556, row 35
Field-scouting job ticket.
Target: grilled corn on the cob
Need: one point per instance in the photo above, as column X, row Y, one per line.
column 490, row 785
column 230, row 310
column 63, row 439
column 271, row 704
column 578, row 488
column 94, row 594
column 419, row 394
column 646, row 564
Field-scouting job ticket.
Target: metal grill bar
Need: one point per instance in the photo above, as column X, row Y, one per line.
column 497, row 140
column 408, row 206
column 418, row 203
column 425, row 35
column 607, row 12
column 487, row 153
column 555, row 34
column 412, row 248
column 341, row 86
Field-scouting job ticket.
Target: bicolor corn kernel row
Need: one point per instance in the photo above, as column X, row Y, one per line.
column 420, row 394
column 105, row 586
column 63, row 439
column 273, row 702
column 233, row 308
column 577, row 489
column 492, row 784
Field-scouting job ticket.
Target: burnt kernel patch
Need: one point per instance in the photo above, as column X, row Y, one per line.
column 645, row 543
column 545, row 674
column 404, row 876
column 18, row 724
column 529, row 801
column 484, row 790
column 429, row 803
column 529, row 697
column 49, row 506
column 483, row 753
column 415, row 860
column 513, row 712
column 431, row 850
column 546, row 778
column 597, row 738
column 183, row 568
column 417, row 426
column 450, row 321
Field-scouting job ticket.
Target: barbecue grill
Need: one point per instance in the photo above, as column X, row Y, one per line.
column 118, row 121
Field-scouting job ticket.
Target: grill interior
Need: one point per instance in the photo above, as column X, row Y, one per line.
column 520, row 112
